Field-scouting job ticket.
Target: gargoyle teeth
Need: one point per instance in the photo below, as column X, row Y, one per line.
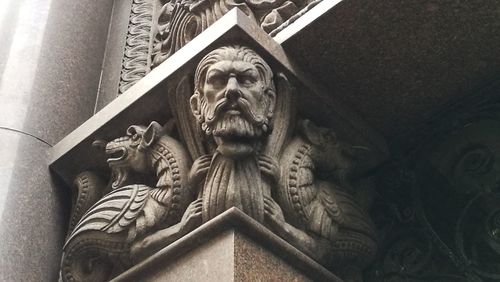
column 119, row 177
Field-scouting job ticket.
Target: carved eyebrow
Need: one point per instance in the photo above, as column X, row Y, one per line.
column 215, row 72
column 249, row 69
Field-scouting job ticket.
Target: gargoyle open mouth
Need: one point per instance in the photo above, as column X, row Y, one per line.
column 116, row 154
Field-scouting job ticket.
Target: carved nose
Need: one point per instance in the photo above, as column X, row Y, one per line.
column 232, row 89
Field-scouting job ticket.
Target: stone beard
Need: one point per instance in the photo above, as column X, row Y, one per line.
column 233, row 102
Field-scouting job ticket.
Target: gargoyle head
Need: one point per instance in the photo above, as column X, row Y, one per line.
column 330, row 154
column 131, row 152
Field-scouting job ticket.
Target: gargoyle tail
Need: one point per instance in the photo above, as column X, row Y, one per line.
column 88, row 188
column 94, row 256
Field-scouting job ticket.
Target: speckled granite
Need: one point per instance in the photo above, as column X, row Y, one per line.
column 211, row 261
column 227, row 256
column 33, row 211
column 50, row 60
column 51, row 64
column 398, row 62
column 230, row 247
column 253, row 262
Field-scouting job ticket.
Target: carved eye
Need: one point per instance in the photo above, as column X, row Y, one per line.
column 217, row 80
column 246, row 80
column 135, row 137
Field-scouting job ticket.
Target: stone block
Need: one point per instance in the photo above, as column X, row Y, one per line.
column 231, row 247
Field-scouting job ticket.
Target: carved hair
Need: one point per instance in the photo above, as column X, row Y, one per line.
column 233, row 53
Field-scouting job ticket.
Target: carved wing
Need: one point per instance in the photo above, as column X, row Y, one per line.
column 297, row 189
column 333, row 209
column 284, row 117
column 172, row 164
column 179, row 103
column 114, row 212
column 312, row 204
column 88, row 187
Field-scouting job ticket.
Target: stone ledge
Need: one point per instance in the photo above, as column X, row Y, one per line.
column 233, row 245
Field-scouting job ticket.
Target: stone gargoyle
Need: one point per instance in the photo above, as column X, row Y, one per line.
column 100, row 245
column 242, row 147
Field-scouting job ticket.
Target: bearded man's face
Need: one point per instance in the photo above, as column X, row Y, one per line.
column 234, row 106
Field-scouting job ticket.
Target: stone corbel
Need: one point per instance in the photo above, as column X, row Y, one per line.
column 239, row 127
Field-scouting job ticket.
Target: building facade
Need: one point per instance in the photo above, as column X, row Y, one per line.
column 251, row 140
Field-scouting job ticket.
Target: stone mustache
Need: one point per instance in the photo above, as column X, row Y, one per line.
column 248, row 152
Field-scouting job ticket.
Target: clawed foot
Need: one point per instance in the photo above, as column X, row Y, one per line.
column 192, row 217
column 269, row 167
column 162, row 238
column 273, row 214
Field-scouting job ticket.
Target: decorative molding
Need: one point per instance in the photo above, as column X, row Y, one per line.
column 180, row 21
column 295, row 17
column 136, row 58
column 155, row 34
column 438, row 206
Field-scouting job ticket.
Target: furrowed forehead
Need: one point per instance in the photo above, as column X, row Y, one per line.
column 227, row 66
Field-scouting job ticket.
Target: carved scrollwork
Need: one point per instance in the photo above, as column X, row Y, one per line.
column 136, row 60
column 474, row 161
column 454, row 190
column 88, row 188
column 477, row 237
column 409, row 254
column 158, row 28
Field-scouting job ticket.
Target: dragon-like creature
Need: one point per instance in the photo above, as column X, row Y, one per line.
column 99, row 245
column 315, row 209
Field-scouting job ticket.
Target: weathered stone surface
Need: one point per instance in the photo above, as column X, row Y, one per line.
column 180, row 21
column 240, row 115
column 298, row 183
column 230, row 247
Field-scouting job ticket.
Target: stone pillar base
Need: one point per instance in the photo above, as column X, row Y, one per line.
column 231, row 247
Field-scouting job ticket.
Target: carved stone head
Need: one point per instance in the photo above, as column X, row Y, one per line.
column 129, row 152
column 234, row 99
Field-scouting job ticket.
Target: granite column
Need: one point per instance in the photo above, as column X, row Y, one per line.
column 50, row 61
